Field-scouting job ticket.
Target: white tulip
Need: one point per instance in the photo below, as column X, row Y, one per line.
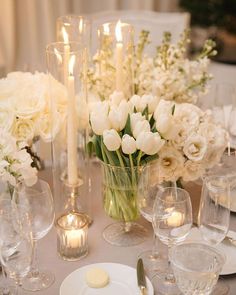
column 141, row 126
column 151, row 101
column 116, row 97
column 128, row 144
column 118, row 115
column 150, row 143
column 111, row 139
column 163, row 107
column 99, row 118
column 167, row 126
column 134, row 118
column 195, row 147
column 138, row 103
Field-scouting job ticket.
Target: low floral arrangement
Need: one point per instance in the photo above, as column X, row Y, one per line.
column 169, row 75
column 16, row 164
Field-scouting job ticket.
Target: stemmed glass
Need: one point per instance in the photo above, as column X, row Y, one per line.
column 15, row 242
column 172, row 222
column 149, row 186
column 38, row 199
column 214, row 210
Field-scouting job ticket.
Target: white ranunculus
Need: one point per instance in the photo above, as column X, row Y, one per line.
column 23, row 129
column 118, row 115
column 195, row 147
column 192, row 170
column 99, row 118
column 151, row 101
column 116, row 97
column 149, row 143
column 138, row 103
column 111, row 139
column 170, row 162
column 128, row 144
column 141, row 126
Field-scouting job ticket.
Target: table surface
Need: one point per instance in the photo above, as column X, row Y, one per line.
column 99, row 249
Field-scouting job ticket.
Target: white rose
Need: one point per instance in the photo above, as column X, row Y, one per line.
column 188, row 114
column 6, row 117
column 192, row 170
column 116, row 97
column 151, row 101
column 128, row 144
column 23, row 129
column 170, row 162
column 195, row 147
column 118, row 115
column 99, row 118
column 111, row 139
column 141, row 126
column 48, row 125
column 138, row 103
column 150, row 143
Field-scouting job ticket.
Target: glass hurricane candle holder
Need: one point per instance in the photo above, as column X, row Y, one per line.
column 72, row 236
column 115, row 57
column 66, row 62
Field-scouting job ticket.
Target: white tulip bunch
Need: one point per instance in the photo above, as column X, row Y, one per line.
column 15, row 161
column 184, row 139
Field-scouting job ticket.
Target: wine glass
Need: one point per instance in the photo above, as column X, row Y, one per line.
column 38, row 199
column 214, row 210
column 15, row 242
column 172, row 222
column 148, row 188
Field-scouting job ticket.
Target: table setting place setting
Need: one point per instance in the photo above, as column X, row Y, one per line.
column 123, row 123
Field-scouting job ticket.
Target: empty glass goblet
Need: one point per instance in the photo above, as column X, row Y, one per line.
column 196, row 267
column 172, row 222
column 38, row 199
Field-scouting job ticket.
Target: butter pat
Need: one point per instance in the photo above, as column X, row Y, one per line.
column 97, row 278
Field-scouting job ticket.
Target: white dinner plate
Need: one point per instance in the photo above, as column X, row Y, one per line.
column 226, row 247
column 123, row 281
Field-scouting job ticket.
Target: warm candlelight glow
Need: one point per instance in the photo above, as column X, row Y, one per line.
column 71, row 64
column 106, row 29
column 175, row 218
column 58, row 55
column 118, row 31
column 81, row 24
column 65, row 35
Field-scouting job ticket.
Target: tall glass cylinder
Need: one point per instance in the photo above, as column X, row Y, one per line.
column 116, row 58
column 66, row 62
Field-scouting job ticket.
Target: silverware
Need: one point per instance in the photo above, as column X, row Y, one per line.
column 141, row 277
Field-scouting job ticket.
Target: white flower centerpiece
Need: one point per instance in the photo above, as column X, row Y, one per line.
column 128, row 134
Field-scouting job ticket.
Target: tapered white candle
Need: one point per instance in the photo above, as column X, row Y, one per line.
column 71, row 127
column 119, row 56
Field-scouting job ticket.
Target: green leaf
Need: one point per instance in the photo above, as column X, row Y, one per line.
column 149, row 159
column 145, row 112
column 127, row 129
column 152, row 122
column 112, row 158
column 97, row 146
column 173, row 110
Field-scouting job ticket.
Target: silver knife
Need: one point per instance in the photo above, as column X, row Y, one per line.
column 141, row 277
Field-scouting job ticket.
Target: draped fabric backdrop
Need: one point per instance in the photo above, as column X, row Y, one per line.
column 26, row 26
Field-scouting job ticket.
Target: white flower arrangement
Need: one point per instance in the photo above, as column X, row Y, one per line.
column 169, row 75
column 15, row 161
column 184, row 139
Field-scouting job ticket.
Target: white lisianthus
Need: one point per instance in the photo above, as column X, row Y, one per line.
column 116, row 97
column 99, row 118
column 111, row 139
column 195, row 147
column 192, row 170
column 118, row 115
column 141, row 126
column 171, row 163
column 151, row 101
column 188, row 114
column 149, row 143
column 181, row 136
column 23, row 129
column 128, row 144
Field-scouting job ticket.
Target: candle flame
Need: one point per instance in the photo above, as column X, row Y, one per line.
column 106, row 29
column 65, row 35
column 70, row 218
column 58, row 55
column 71, row 64
column 118, row 31
column 81, row 24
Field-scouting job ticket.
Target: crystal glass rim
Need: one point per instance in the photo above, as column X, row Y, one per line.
column 85, row 222
column 17, row 189
column 220, row 255
column 113, row 24
column 162, row 198
column 51, row 46
column 86, row 20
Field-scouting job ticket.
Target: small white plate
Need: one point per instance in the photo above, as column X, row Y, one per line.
column 123, row 281
column 226, row 247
